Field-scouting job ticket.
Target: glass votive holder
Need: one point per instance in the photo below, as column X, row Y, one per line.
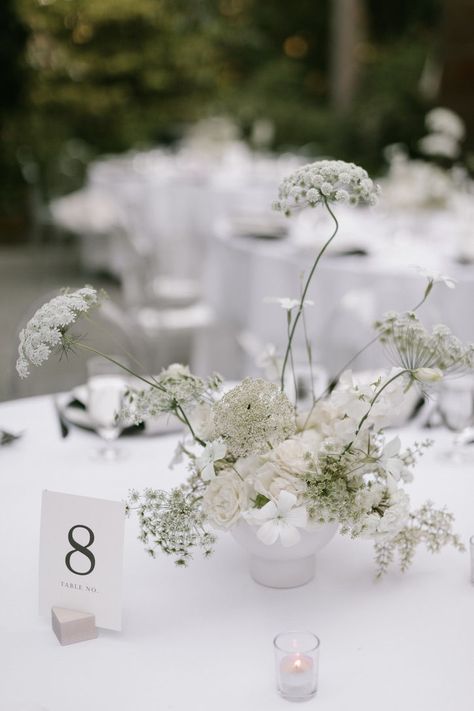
column 297, row 665
column 471, row 549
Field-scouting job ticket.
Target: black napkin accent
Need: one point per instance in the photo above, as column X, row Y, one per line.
column 126, row 432
column 8, row 437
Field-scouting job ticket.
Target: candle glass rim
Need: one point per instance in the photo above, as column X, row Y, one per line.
column 296, row 634
column 471, row 540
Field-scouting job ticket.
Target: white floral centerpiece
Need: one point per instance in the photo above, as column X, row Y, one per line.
column 255, row 459
column 437, row 177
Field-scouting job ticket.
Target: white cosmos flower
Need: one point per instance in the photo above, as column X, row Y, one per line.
column 286, row 303
column 212, row 452
column 436, row 277
column 281, row 520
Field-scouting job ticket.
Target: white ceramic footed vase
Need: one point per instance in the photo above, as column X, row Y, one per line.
column 278, row 567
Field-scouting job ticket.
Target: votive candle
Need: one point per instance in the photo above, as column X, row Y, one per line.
column 297, row 660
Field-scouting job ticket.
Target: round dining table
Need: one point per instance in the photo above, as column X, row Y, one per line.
column 200, row 638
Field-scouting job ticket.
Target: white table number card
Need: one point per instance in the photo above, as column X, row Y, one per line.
column 81, row 556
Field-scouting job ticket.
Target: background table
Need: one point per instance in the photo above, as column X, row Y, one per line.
column 201, row 638
column 348, row 292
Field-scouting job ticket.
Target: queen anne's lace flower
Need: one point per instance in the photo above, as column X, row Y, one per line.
column 253, row 417
column 424, row 354
column 325, row 181
column 47, row 329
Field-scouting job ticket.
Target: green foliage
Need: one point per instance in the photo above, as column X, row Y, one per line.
column 108, row 75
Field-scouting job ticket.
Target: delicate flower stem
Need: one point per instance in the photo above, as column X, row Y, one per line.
column 292, row 363
column 120, row 365
column 187, row 422
column 305, row 291
column 309, row 353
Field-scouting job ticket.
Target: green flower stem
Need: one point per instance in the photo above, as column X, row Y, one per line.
column 184, row 419
column 309, row 353
column 303, row 295
column 292, row 363
column 425, row 295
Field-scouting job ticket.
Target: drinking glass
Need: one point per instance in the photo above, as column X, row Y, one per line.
column 106, row 384
column 297, row 665
column 456, row 407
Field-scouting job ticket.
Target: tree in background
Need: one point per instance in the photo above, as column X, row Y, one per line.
column 108, row 75
column 13, row 36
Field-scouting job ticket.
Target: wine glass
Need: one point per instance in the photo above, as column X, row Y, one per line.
column 107, row 384
column 456, row 407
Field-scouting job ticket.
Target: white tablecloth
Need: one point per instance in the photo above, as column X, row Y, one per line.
column 349, row 293
column 202, row 638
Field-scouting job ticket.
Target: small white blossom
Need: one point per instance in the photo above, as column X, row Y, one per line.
column 280, row 520
column 286, row 303
column 436, row 277
column 49, row 326
column 212, row 452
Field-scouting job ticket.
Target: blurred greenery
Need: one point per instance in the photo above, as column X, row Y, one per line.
column 82, row 77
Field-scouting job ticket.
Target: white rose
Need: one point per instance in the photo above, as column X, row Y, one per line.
column 224, row 499
column 284, row 466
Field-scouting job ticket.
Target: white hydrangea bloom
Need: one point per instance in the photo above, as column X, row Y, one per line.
column 388, row 509
column 325, row 181
column 47, row 329
column 337, row 417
